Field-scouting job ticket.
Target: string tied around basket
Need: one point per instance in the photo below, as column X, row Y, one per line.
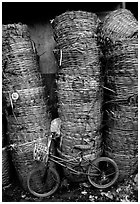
column 61, row 55
column 15, row 96
column 51, row 21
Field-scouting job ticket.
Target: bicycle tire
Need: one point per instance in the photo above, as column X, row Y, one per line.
column 94, row 181
column 37, row 190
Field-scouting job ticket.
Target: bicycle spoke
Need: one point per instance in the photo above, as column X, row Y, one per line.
column 54, row 178
column 106, row 176
column 108, row 170
column 111, row 174
column 46, row 187
column 94, row 174
column 96, row 167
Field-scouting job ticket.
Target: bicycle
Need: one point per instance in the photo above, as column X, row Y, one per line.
column 101, row 172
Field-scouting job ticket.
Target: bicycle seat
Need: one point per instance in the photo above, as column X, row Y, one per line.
column 82, row 147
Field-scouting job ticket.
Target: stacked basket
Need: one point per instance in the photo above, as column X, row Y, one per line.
column 26, row 111
column 79, row 81
column 119, row 32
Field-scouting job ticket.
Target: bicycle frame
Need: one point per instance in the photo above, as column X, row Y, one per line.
column 61, row 162
column 48, row 156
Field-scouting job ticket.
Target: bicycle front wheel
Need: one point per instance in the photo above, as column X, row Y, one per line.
column 103, row 172
column 42, row 182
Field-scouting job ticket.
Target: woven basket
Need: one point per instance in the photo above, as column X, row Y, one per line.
column 120, row 23
column 71, row 25
column 127, row 164
column 23, row 160
column 120, row 47
column 5, row 168
column 79, row 79
column 121, row 140
column 22, row 87
column 26, row 105
column 123, row 117
column 122, row 68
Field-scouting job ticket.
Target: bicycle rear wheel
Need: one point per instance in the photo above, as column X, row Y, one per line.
column 103, row 172
column 42, row 182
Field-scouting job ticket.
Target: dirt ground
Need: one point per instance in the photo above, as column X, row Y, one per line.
column 124, row 191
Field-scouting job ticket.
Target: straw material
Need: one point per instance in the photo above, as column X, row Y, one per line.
column 23, row 160
column 121, row 141
column 79, row 81
column 22, row 87
column 127, row 164
column 122, row 68
column 120, row 23
column 4, row 130
column 26, row 105
column 71, row 26
column 5, row 168
column 120, row 47
column 123, row 117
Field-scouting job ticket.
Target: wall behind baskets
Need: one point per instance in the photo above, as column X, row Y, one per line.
column 42, row 35
column 23, row 91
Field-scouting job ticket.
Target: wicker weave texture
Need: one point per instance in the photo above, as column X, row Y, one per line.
column 26, row 105
column 123, row 117
column 128, row 164
column 71, row 26
column 120, row 48
column 79, row 91
column 5, row 168
column 122, row 138
column 120, row 23
column 23, row 160
column 22, row 87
